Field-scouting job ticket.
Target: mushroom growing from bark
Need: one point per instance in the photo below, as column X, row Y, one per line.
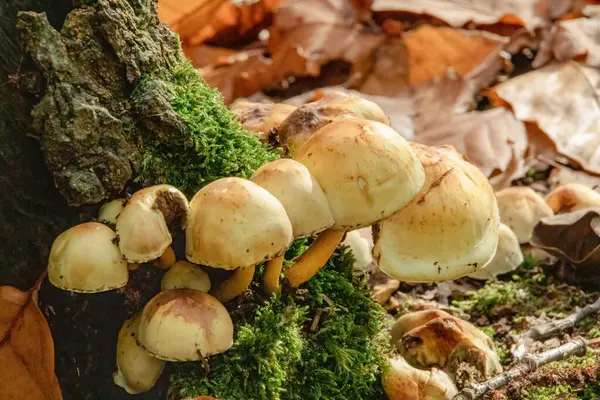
column 234, row 225
column 185, row 325
column 572, row 197
column 261, row 118
column 521, row 208
column 86, row 259
column 507, row 258
column 109, row 212
column 367, row 172
column 143, row 225
column 185, row 275
column 137, row 371
column 309, row 118
column 449, row 230
column 401, row 381
column 304, row 201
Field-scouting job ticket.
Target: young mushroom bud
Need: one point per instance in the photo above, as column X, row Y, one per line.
column 303, row 200
column 185, row 325
column 401, row 381
column 572, row 197
column 137, row 371
column 109, row 212
column 367, row 172
column 143, row 225
column 261, row 118
column 521, row 208
column 185, row 275
column 167, row 259
column 361, row 244
column 508, row 256
column 309, row 118
column 449, row 230
column 86, row 259
column 235, row 224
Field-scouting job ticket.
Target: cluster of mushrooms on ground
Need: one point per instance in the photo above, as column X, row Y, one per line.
column 434, row 217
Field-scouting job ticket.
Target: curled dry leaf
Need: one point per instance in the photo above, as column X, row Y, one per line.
column 26, row 348
column 562, row 100
column 575, row 39
column 574, row 237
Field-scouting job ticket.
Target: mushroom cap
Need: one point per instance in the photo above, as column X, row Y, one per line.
column 236, row 223
column 366, row 169
column 185, row 275
column 572, row 197
column 521, row 208
column 508, row 256
column 110, row 211
column 300, row 194
column 185, row 325
column 307, row 119
column 137, row 371
column 142, row 226
column 412, row 320
column 260, row 118
column 401, row 381
column 451, row 227
column 86, row 259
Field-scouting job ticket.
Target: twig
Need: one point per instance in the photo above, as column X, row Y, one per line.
column 530, row 363
column 315, row 323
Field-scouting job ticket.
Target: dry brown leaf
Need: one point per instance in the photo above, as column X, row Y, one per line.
column 574, row 237
column 383, row 291
column 26, row 348
column 562, row 100
column 561, row 174
column 575, row 39
column 592, row 11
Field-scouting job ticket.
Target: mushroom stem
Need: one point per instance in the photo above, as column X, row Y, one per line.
column 234, row 285
column 313, row 259
column 272, row 271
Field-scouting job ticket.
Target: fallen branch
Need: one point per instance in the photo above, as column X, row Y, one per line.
column 530, row 363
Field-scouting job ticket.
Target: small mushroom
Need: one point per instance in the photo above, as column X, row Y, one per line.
column 109, row 212
column 261, row 118
column 185, row 325
column 401, row 381
column 521, row 208
column 304, row 201
column 508, row 256
column 309, row 118
column 412, row 320
column 86, row 259
column 234, row 225
column 137, row 371
column 362, row 248
column 449, row 230
column 572, row 197
column 183, row 275
column 142, row 226
column 167, row 259
column 367, row 172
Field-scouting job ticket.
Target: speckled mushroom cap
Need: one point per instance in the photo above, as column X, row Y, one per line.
column 300, row 194
column 260, row 118
column 449, row 230
column 86, row 259
column 521, row 208
column 366, row 169
column 507, row 258
column 185, row 325
column 236, row 223
column 142, row 226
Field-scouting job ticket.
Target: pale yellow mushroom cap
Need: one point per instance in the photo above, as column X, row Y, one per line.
column 185, row 325
column 404, row 382
column 366, row 169
column 521, row 208
column 309, row 118
column 185, row 275
column 142, row 226
column 572, row 197
column 508, row 256
column 137, row 371
column 260, row 118
column 449, row 230
column 86, row 259
column 300, row 194
column 110, row 211
column 236, row 223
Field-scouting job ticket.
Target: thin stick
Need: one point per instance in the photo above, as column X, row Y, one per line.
column 530, row 363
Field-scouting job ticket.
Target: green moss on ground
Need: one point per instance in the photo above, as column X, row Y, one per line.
column 281, row 353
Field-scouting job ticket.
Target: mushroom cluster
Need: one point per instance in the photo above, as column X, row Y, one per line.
column 434, row 214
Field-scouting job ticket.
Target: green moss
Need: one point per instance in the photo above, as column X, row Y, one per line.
column 278, row 355
column 563, row 392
